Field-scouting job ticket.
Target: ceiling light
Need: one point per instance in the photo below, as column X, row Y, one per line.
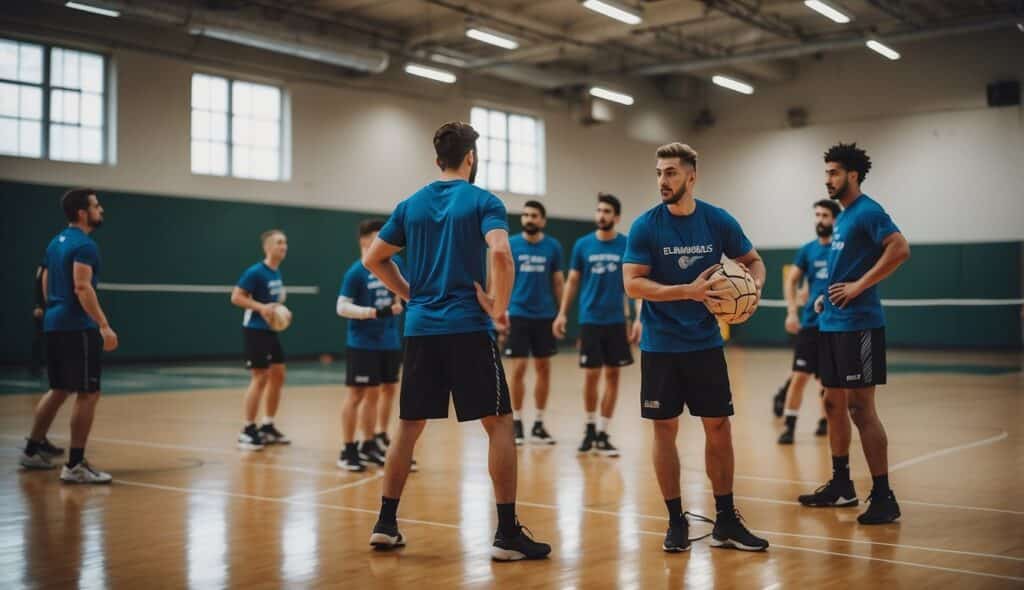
column 616, row 10
column 431, row 73
column 492, row 38
column 731, row 84
column 827, row 11
column 879, row 47
column 448, row 60
column 611, row 95
column 92, row 9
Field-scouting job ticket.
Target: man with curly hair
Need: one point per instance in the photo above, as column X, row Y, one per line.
column 866, row 248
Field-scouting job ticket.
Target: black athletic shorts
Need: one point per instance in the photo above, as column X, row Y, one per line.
column 805, row 351
column 698, row 380
column 73, row 360
column 465, row 367
column 852, row 360
column 529, row 337
column 604, row 346
column 367, row 368
column 262, row 348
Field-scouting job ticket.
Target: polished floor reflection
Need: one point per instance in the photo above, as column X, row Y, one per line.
column 187, row 510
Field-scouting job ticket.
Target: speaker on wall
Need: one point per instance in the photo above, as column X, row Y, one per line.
column 1003, row 93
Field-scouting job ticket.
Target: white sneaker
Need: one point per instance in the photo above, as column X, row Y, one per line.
column 37, row 461
column 83, row 473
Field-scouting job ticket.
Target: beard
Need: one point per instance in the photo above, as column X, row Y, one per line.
column 840, row 191
column 605, row 225
column 674, row 198
column 472, row 171
column 530, row 229
column 95, row 224
column 823, row 231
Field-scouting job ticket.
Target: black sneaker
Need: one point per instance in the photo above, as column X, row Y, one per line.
column 382, row 440
column 786, row 438
column 834, row 494
column 589, row 438
column 677, row 537
column 822, row 428
column 779, row 401
column 273, row 436
column 882, row 509
column 49, row 449
column 369, row 452
column 605, row 446
column 730, row 532
column 517, row 425
column 249, row 439
column 540, row 436
column 350, row 461
column 518, row 545
column 386, row 536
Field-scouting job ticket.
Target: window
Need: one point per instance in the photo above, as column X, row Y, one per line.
column 66, row 100
column 237, row 128
column 511, row 151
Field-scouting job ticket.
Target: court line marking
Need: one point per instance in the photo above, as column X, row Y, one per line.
column 949, row 451
column 452, row 526
column 351, row 484
column 186, row 288
column 948, row 302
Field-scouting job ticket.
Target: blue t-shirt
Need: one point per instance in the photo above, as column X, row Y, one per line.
column 678, row 249
column 442, row 228
column 64, row 313
column 602, row 294
column 266, row 286
column 533, row 294
column 365, row 289
column 856, row 247
column 812, row 260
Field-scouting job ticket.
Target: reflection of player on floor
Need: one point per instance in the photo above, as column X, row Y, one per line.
column 866, row 248
column 446, row 229
column 77, row 334
column 671, row 252
column 535, row 296
column 811, row 262
column 373, row 357
column 595, row 270
column 259, row 289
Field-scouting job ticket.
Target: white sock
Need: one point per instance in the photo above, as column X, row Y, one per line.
column 517, row 415
column 591, row 417
column 789, row 412
column 602, row 424
column 540, row 416
column 268, row 419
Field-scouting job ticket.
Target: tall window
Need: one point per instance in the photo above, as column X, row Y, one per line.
column 237, row 128
column 511, row 151
column 53, row 90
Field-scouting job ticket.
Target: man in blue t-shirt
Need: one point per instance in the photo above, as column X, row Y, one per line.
column 77, row 335
column 373, row 358
column 866, row 248
column 671, row 253
column 446, row 229
column 258, row 291
column 811, row 263
column 595, row 270
column 534, row 305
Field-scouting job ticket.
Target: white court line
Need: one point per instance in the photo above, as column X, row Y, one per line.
column 184, row 288
column 920, row 302
column 948, row 451
column 351, row 484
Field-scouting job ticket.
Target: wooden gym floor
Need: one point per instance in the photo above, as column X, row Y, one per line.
column 187, row 509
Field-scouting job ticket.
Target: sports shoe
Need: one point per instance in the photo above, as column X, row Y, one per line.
column 273, row 436
column 350, row 461
column 249, row 439
column 49, row 449
column 605, row 446
column 35, row 461
column 369, row 452
column 882, row 509
column 517, row 425
column 540, row 436
column 677, row 537
column 779, row 401
column 518, row 545
column 386, row 536
column 414, row 467
column 383, row 441
column 83, row 473
column 786, row 438
column 730, row 532
column 589, row 438
column 834, row 494
column 822, row 428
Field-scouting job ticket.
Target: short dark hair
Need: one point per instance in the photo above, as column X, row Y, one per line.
column 452, row 141
column 612, row 200
column 368, row 226
column 828, row 204
column 269, row 234
column 685, row 153
column 538, row 206
column 75, row 200
column 851, row 158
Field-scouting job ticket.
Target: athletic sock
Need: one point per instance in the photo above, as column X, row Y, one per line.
column 675, row 510
column 517, row 415
column 268, row 420
column 506, row 519
column 880, row 484
column 841, row 468
column 724, row 505
column 388, row 510
column 603, row 422
column 32, row 447
column 76, row 456
column 591, row 417
column 540, row 416
column 790, row 422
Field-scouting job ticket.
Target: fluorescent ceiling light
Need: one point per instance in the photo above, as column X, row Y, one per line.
column 879, row 47
column 611, row 95
column 92, row 9
column 727, row 82
column 827, row 11
column 447, row 59
column 431, row 73
column 492, row 38
column 612, row 9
